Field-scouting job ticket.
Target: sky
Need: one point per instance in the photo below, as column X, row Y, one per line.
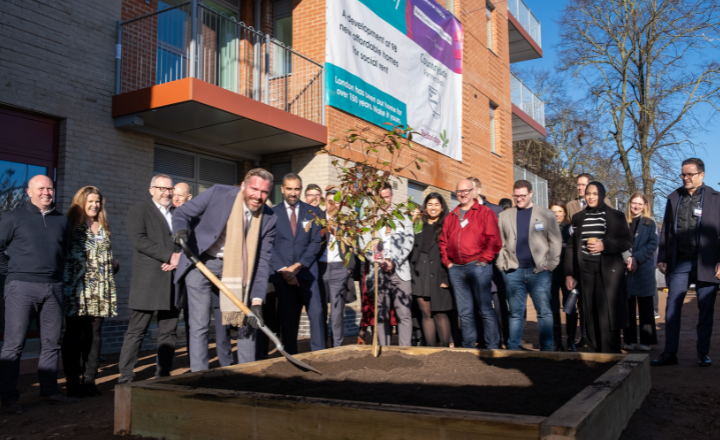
column 548, row 12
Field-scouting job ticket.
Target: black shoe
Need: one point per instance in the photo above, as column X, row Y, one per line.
column 581, row 342
column 12, row 407
column 704, row 360
column 665, row 359
column 571, row 346
column 59, row 399
column 558, row 345
column 91, row 390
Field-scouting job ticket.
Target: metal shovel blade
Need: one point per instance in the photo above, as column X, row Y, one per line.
column 287, row 355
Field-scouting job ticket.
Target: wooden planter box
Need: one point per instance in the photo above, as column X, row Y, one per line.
column 166, row 408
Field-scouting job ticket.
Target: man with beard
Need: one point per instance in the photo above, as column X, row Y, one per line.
column 155, row 256
column 234, row 239
column 295, row 256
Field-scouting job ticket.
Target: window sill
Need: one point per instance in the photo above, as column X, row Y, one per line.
column 493, row 52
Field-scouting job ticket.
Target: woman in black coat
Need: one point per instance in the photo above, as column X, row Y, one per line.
column 594, row 257
column 558, row 284
column 430, row 284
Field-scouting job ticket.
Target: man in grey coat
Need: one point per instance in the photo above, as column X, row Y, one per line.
column 531, row 246
column 212, row 210
column 152, row 291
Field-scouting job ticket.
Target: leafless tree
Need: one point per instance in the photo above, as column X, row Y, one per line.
column 650, row 75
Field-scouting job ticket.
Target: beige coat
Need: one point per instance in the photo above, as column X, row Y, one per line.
column 545, row 243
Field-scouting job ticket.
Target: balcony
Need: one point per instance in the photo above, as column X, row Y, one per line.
column 528, row 112
column 190, row 74
column 525, row 33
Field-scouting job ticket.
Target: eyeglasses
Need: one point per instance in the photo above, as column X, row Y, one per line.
column 520, row 196
column 462, row 192
column 163, row 189
column 688, row 175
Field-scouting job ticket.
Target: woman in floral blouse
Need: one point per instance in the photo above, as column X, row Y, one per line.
column 89, row 292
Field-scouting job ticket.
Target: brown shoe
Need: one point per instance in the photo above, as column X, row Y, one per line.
column 13, row 408
column 361, row 341
column 59, row 399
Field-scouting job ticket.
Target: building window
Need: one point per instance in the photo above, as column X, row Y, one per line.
column 278, row 170
column 197, row 170
column 488, row 22
column 493, row 142
column 282, row 31
column 450, row 5
column 416, row 192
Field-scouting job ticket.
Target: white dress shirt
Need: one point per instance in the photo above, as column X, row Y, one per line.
column 289, row 210
column 331, row 255
column 165, row 211
column 218, row 248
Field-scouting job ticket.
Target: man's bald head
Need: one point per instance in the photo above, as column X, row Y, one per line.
column 465, row 192
column 41, row 192
column 182, row 193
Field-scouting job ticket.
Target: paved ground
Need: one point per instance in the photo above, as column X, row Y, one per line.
column 683, row 404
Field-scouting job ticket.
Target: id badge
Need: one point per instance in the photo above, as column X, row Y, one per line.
column 305, row 223
column 463, row 223
column 697, row 212
column 539, row 226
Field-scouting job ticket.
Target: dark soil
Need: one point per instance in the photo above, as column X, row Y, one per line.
column 456, row 380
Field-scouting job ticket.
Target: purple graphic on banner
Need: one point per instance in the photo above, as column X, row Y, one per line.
column 437, row 31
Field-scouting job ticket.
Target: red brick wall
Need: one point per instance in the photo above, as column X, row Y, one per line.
column 486, row 77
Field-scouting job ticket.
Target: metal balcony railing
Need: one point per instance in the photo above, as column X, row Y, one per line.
column 519, row 10
column 191, row 40
column 523, row 97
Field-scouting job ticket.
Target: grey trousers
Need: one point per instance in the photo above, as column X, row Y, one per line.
column 167, row 321
column 203, row 300
column 333, row 286
column 396, row 293
column 23, row 302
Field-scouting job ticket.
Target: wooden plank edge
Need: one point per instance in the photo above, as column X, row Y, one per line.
column 123, row 409
column 620, row 391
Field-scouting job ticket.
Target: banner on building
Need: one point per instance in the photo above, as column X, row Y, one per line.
column 398, row 61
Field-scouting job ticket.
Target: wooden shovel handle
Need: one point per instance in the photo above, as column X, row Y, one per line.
column 215, row 280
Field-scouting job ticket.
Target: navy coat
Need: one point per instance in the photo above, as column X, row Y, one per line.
column 304, row 248
column 213, row 208
column 709, row 234
column 642, row 282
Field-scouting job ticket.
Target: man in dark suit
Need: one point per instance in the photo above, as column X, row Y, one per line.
column 294, row 260
column 689, row 253
column 207, row 239
column 155, row 256
column 336, row 283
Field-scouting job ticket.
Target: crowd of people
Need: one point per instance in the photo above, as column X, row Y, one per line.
column 462, row 280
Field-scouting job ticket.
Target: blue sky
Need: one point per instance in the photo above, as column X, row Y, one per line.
column 548, row 12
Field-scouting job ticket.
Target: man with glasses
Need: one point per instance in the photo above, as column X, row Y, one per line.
column 689, row 253
column 155, row 257
column 468, row 243
column 313, row 194
column 531, row 246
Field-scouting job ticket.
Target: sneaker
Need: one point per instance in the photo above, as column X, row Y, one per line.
column 629, row 347
column 657, row 315
column 12, row 407
column 644, row 347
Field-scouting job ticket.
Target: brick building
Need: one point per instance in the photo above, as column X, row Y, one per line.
column 110, row 92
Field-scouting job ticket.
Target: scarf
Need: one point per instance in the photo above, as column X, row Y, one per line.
column 601, row 198
column 239, row 261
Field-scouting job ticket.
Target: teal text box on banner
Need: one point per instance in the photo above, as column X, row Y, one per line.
column 355, row 96
column 392, row 11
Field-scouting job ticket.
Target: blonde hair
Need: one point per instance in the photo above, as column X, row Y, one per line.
column 646, row 209
column 76, row 213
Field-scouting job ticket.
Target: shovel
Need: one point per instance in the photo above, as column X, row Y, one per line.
column 196, row 261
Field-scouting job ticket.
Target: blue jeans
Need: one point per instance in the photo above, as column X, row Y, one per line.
column 472, row 286
column 685, row 273
column 519, row 284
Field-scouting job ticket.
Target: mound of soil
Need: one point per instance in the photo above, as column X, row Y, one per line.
column 446, row 379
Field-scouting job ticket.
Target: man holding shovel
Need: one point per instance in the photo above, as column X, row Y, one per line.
column 234, row 239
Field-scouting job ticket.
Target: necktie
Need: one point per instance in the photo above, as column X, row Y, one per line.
column 293, row 220
column 583, row 203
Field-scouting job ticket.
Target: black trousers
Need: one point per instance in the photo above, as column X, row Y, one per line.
column 600, row 337
column 646, row 308
column 81, row 347
column 167, row 321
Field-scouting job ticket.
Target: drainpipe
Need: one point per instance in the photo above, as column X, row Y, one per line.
column 256, row 51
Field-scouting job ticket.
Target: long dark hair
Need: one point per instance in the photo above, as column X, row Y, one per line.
column 445, row 211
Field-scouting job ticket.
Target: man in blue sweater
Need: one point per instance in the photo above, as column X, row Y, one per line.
column 33, row 243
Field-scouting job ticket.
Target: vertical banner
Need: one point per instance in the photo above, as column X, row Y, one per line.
column 398, row 61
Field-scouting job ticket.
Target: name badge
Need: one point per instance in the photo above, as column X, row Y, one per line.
column 571, row 230
column 463, row 223
column 305, row 223
column 539, row 227
column 697, row 212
